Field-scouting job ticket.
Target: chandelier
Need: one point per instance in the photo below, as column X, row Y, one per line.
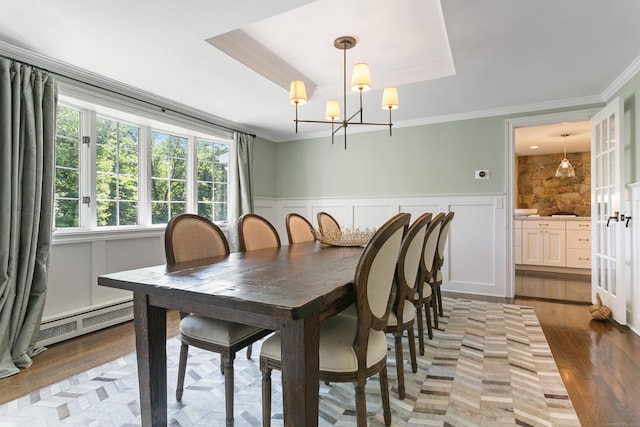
column 360, row 82
column 565, row 170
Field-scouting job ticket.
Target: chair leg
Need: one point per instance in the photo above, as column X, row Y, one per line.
column 384, row 393
column 361, row 404
column 429, row 327
column 420, row 329
column 399, row 363
column 249, row 349
column 182, row 369
column 228, row 386
column 266, row 394
column 412, row 349
column 439, row 296
column 434, row 305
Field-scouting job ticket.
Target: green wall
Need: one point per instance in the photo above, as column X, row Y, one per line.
column 430, row 159
column 264, row 167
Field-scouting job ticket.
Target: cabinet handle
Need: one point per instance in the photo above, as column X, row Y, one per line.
column 583, row 226
column 583, row 259
column 583, row 240
column 543, row 225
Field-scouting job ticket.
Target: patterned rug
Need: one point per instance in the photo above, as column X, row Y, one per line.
column 488, row 365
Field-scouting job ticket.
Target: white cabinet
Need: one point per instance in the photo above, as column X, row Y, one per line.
column 517, row 237
column 579, row 244
column 543, row 243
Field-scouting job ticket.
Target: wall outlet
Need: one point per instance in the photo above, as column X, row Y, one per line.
column 482, row 174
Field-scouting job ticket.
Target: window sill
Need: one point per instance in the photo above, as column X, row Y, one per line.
column 108, row 233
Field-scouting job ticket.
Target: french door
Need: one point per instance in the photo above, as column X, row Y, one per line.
column 608, row 210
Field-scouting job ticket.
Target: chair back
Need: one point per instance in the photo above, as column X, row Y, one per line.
column 374, row 280
column 430, row 248
column 328, row 225
column 190, row 237
column 299, row 230
column 408, row 271
column 255, row 233
column 442, row 240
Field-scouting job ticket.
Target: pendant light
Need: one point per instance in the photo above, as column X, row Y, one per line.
column 565, row 170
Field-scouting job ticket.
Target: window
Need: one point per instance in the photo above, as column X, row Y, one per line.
column 67, row 194
column 116, row 173
column 134, row 171
column 168, row 176
column 213, row 173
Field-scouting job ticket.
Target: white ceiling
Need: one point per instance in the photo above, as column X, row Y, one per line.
column 450, row 60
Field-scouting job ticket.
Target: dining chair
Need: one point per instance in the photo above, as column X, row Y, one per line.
column 439, row 261
column 351, row 349
column 191, row 237
column 255, row 232
column 424, row 298
column 299, row 230
column 407, row 280
column 328, row 225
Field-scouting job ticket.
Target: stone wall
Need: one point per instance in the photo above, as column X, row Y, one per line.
column 539, row 188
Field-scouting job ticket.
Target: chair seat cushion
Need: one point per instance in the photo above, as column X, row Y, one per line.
column 439, row 277
column 336, row 353
column 408, row 314
column 215, row 331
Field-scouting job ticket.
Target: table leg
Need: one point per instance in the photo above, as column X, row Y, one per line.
column 151, row 337
column 300, row 365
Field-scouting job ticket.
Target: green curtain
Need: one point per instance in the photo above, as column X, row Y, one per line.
column 28, row 101
column 240, row 184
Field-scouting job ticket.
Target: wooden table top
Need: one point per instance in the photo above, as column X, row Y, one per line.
column 287, row 283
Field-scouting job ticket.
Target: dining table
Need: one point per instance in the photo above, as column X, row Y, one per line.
column 291, row 289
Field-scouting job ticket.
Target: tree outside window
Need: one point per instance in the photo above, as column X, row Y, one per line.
column 67, row 190
column 212, row 175
column 168, row 176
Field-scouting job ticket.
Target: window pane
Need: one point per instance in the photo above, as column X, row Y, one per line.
column 67, row 184
column 168, row 176
column 117, row 147
column 213, row 159
column 205, row 210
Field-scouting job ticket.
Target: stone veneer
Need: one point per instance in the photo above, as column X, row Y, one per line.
column 539, row 188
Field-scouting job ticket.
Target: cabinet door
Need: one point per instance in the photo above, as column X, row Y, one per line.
column 554, row 248
column 517, row 241
column 532, row 246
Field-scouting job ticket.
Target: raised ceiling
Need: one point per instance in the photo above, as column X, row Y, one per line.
column 454, row 59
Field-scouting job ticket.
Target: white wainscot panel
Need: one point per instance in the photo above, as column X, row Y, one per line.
column 417, row 210
column 267, row 212
column 470, row 253
column 372, row 216
column 69, row 278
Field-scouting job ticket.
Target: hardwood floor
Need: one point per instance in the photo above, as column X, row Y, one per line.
column 599, row 361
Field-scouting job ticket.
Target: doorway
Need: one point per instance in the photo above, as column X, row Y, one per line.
column 550, row 259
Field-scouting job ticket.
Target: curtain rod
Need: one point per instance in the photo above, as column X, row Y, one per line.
column 162, row 108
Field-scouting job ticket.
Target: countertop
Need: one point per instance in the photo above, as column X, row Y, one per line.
column 553, row 218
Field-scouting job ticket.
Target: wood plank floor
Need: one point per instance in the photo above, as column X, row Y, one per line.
column 599, row 361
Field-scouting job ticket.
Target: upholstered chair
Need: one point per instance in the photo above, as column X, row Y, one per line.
column 354, row 348
column 189, row 238
column 407, row 280
column 328, row 225
column 299, row 230
column 255, row 233
column 439, row 260
column 425, row 292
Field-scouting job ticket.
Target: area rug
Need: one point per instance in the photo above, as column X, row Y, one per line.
column 488, row 364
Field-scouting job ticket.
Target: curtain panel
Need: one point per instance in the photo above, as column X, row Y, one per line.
column 28, row 102
column 240, row 184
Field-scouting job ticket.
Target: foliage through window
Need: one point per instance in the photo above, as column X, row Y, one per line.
column 67, row 194
column 168, row 176
column 213, row 173
column 116, row 173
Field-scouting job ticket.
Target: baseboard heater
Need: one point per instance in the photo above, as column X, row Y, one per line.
column 70, row 326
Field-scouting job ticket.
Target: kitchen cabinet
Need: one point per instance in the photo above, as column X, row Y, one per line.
column 578, row 244
column 544, row 243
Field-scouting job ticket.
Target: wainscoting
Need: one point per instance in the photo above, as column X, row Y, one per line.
column 476, row 260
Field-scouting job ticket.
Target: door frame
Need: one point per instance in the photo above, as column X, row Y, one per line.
column 510, row 134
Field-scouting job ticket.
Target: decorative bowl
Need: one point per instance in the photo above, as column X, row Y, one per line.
column 345, row 237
